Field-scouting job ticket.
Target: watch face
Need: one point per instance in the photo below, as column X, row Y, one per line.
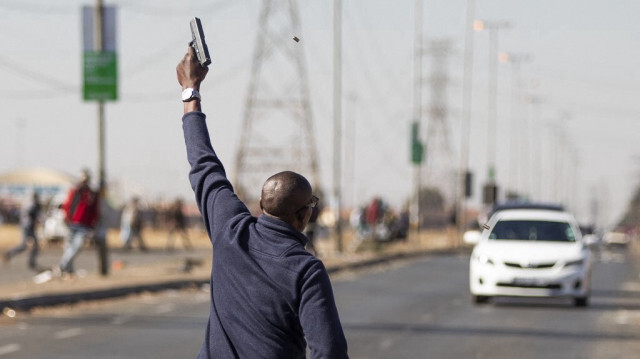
column 187, row 94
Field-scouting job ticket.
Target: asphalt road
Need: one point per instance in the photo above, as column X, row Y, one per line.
column 413, row 309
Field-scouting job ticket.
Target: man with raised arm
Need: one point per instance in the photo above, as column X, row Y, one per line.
column 269, row 296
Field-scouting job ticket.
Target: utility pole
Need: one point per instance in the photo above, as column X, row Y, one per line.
column 350, row 130
column 466, row 120
column 98, row 41
column 536, row 146
column 416, row 212
column 101, row 241
column 558, row 149
column 494, row 27
column 518, row 140
column 337, row 119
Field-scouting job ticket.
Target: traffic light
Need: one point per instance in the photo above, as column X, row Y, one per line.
column 468, row 184
column 489, row 193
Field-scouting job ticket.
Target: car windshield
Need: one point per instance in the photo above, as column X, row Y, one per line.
column 522, row 230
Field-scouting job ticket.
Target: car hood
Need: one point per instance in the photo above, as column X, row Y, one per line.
column 530, row 252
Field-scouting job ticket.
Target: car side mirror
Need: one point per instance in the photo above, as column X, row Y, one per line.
column 471, row 237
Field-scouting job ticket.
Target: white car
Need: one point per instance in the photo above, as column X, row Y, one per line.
column 531, row 253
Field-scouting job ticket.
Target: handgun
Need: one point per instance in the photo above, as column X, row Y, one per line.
column 198, row 43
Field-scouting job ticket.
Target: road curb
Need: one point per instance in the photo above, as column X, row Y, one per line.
column 49, row 300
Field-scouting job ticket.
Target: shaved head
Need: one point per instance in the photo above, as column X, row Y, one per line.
column 285, row 193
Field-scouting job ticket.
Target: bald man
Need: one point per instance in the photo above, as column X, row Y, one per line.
column 270, row 298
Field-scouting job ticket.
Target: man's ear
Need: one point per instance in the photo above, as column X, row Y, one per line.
column 261, row 204
column 301, row 215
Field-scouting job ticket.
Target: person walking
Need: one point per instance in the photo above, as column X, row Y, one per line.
column 131, row 225
column 270, row 298
column 177, row 226
column 29, row 218
column 81, row 215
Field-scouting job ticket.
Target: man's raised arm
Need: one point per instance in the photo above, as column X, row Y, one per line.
column 214, row 193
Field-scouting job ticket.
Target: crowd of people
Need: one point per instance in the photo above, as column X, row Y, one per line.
column 83, row 214
column 82, row 209
column 378, row 221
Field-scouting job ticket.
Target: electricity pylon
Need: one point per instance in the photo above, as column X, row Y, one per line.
column 277, row 128
column 441, row 170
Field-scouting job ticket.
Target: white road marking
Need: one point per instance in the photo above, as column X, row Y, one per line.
column 120, row 320
column 627, row 317
column 608, row 257
column 69, row 333
column 201, row 297
column 622, row 317
column 386, row 344
column 165, row 308
column 631, row 286
column 9, row 348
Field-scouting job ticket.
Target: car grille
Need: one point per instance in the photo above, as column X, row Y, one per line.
column 530, row 266
column 536, row 286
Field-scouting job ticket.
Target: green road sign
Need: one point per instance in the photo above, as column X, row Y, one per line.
column 100, row 76
column 417, row 148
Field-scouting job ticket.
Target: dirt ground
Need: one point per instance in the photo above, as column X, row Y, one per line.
column 326, row 246
column 10, row 236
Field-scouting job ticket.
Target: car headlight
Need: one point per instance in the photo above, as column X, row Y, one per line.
column 577, row 262
column 484, row 259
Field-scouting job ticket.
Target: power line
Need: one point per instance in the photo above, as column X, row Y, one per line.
column 36, row 76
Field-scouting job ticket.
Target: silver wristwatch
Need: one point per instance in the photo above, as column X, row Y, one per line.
column 190, row 94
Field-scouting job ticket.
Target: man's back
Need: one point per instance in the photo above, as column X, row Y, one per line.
column 256, row 280
column 268, row 294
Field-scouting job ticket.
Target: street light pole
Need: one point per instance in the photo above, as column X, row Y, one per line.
column 536, row 147
column 417, row 109
column 516, row 117
column 466, row 118
column 494, row 27
column 337, row 119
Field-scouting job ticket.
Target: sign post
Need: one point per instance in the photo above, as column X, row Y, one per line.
column 417, row 158
column 100, row 70
column 100, row 83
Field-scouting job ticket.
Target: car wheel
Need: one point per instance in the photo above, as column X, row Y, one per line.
column 581, row 301
column 480, row 299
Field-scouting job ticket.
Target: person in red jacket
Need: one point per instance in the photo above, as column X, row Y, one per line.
column 81, row 215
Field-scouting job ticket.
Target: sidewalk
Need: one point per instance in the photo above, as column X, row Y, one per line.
column 133, row 272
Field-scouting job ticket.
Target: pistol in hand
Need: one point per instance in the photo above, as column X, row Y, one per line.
column 198, row 43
